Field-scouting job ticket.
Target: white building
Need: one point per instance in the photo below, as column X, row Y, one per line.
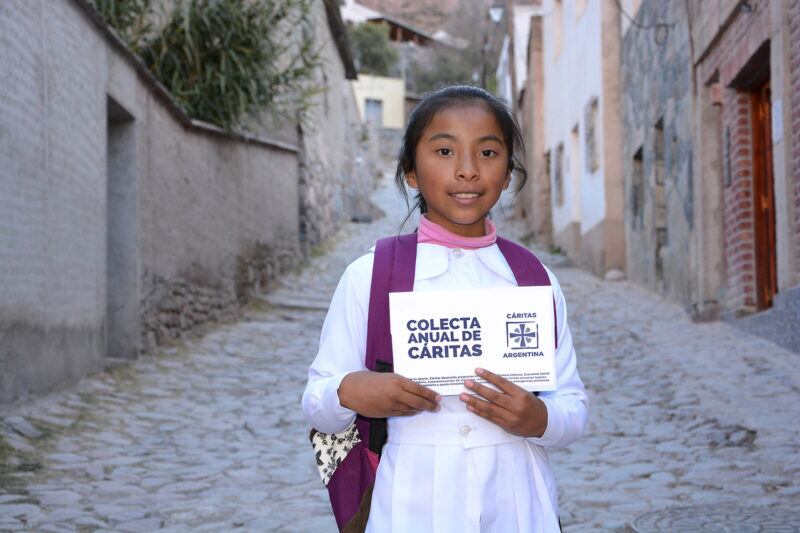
column 523, row 12
column 581, row 128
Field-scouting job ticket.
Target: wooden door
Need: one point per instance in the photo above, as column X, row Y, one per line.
column 763, row 199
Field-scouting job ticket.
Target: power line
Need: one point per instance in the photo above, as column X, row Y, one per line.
column 662, row 28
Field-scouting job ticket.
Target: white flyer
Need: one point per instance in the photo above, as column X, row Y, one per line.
column 439, row 338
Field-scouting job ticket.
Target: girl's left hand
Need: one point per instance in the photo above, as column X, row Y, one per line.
column 514, row 409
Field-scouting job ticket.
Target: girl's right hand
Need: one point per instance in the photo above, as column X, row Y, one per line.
column 382, row 394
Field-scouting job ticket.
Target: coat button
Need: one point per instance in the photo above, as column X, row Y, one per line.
column 465, row 431
column 458, row 252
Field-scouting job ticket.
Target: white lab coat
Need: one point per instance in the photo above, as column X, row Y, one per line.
column 448, row 471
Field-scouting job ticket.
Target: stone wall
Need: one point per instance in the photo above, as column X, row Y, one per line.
column 129, row 222
column 338, row 169
column 218, row 217
column 657, row 151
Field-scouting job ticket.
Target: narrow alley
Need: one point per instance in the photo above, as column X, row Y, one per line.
column 208, row 435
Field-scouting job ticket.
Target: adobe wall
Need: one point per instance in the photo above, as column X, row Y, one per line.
column 129, row 223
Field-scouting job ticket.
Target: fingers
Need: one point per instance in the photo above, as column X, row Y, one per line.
column 500, row 382
column 490, row 394
column 419, row 397
column 490, row 411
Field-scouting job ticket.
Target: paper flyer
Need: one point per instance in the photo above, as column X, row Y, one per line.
column 440, row 337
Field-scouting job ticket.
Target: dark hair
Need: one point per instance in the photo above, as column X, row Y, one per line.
column 444, row 98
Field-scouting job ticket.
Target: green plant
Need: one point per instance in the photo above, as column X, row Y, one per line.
column 226, row 61
column 374, row 53
column 130, row 18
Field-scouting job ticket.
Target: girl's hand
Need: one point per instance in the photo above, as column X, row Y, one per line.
column 514, row 409
column 382, row 394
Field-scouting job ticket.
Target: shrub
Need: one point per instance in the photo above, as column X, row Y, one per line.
column 226, row 61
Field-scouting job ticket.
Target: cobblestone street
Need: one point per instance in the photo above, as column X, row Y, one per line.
column 208, row 435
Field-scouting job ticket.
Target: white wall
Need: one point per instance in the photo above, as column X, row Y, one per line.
column 503, row 73
column 522, row 30
column 572, row 77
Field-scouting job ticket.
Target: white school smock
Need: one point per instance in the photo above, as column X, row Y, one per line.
column 451, row 470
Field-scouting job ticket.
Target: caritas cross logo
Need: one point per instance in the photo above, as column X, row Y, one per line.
column 522, row 335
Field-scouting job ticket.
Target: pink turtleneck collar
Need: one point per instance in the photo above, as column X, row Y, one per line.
column 430, row 232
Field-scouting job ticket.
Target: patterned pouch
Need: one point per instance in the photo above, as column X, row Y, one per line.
column 330, row 449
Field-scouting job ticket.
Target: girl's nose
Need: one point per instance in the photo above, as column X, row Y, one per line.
column 467, row 169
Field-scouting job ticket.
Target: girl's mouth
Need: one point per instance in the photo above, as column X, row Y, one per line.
column 465, row 199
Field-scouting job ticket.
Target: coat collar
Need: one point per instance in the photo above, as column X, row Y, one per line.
column 434, row 259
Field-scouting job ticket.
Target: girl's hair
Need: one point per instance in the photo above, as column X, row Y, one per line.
column 444, row 98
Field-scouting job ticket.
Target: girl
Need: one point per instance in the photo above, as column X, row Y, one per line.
column 468, row 463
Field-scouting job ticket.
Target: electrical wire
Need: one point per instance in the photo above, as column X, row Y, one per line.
column 662, row 28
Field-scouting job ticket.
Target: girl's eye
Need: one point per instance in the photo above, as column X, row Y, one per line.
column 488, row 153
column 444, row 151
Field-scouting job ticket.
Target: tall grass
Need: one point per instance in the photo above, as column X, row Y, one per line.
column 226, row 61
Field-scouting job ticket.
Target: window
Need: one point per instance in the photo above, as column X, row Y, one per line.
column 590, row 125
column 673, row 155
column 374, row 112
column 660, row 196
column 726, row 158
column 575, row 162
column 637, row 190
column 548, row 164
column 658, row 151
column 558, row 174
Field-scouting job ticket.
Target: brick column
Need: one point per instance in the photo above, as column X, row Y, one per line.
column 738, row 202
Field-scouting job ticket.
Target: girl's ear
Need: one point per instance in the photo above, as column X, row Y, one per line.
column 411, row 179
column 507, row 181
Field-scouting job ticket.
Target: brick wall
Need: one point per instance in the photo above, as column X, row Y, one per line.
column 794, row 80
column 738, row 202
column 737, row 42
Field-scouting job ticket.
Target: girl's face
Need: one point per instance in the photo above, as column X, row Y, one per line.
column 461, row 168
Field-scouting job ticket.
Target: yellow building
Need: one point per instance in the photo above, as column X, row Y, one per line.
column 381, row 100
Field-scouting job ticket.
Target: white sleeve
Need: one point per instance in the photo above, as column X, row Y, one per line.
column 342, row 349
column 567, row 405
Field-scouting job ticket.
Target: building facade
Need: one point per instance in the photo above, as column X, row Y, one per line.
column 745, row 66
column 712, row 159
column 581, row 129
column 534, row 203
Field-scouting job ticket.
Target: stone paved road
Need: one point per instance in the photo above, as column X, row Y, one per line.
column 209, row 436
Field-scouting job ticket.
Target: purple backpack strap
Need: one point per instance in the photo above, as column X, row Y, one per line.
column 351, row 484
column 527, row 269
column 392, row 271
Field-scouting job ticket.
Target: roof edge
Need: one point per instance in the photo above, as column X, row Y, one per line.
column 339, row 32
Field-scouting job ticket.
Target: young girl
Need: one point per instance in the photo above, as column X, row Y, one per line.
column 468, row 463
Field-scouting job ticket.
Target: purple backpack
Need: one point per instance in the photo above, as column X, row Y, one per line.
column 350, row 486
